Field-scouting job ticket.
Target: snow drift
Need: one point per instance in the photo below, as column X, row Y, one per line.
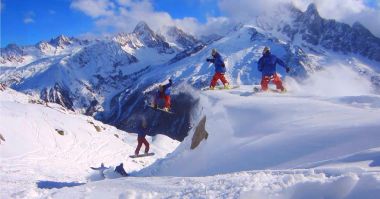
column 48, row 146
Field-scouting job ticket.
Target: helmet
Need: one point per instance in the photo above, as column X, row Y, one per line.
column 213, row 52
column 266, row 49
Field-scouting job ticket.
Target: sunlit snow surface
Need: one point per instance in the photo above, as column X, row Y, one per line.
column 35, row 156
column 318, row 140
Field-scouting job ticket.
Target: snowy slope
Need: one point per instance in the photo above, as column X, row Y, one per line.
column 268, row 145
column 105, row 77
column 276, row 184
column 34, row 153
column 319, row 140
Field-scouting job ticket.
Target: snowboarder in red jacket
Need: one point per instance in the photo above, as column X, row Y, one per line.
column 220, row 69
column 163, row 93
column 267, row 66
column 142, row 131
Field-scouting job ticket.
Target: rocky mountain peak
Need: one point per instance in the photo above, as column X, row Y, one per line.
column 11, row 50
column 186, row 41
column 61, row 40
column 360, row 28
column 12, row 47
column 142, row 28
column 331, row 34
column 151, row 39
column 312, row 10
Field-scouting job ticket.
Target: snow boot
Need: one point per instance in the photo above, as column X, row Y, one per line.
column 227, row 86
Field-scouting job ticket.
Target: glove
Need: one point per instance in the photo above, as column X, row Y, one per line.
column 287, row 69
column 171, row 81
column 208, row 60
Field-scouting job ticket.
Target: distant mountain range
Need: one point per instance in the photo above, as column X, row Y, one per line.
column 113, row 78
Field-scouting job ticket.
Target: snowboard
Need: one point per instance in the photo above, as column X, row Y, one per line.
column 257, row 89
column 141, row 155
column 160, row 109
column 220, row 88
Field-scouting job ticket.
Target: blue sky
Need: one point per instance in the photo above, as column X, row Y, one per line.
column 26, row 22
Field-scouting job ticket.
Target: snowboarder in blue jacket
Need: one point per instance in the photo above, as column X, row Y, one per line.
column 267, row 66
column 220, row 69
column 163, row 93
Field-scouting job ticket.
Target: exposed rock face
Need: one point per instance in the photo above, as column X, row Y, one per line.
column 58, row 94
column 151, row 39
column 2, row 138
column 107, row 55
column 133, row 106
column 199, row 134
column 312, row 28
column 208, row 39
column 61, row 41
column 11, row 53
column 186, row 53
column 185, row 41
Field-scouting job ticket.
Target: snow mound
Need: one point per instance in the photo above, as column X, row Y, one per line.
column 250, row 131
column 279, row 184
column 48, row 143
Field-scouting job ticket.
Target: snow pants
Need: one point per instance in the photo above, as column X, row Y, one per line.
column 216, row 77
column 276, row 80
column 141, row 140
column 166, row 98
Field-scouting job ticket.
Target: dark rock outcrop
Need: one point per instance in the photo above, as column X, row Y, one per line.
column 199, row 134
column 59, row 95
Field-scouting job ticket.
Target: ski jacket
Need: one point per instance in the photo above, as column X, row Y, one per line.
column 218, row 62
column 166, row 89
column 267, row 64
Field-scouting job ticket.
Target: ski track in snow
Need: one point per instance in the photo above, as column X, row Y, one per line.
column 263, row 145
column 319, row 140
column 34, row 155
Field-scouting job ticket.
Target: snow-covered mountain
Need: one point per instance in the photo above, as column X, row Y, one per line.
column 340, row 37
column 112, row 78
column 319, row 140
column 179, row 38
column 15, row 56
column 267, row 145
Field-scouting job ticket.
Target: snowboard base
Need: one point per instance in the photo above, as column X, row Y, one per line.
column 220, row 88
column 141, row 155
column 257, row 89
column 160, row 109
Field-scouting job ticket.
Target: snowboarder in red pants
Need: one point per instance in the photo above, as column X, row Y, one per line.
column 220, row 70
column 163, row 93
column 267, row 66
column 142, row 131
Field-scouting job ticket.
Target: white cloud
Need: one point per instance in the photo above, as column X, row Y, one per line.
column 247, row 10
column 52, row 12
column 94, row 8
column 28, row 20
column 350, row 11
column 347, row 11
column 123, row 15
column 29, row 17
column 2, row 6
